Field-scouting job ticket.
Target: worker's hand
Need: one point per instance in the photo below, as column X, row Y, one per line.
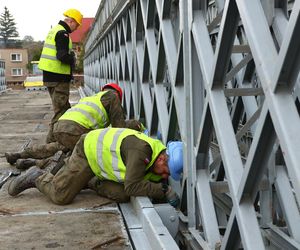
column 172, row 197
column 73, row 54
column 142, row 127
column 134, row 124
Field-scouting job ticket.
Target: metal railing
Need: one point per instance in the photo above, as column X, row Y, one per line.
column 223, row 77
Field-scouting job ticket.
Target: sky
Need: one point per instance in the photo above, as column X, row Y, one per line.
column 35, row 17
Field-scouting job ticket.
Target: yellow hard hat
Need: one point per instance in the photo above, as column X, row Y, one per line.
column 75, row 14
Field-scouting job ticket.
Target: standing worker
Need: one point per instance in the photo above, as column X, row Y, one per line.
column 57, row 62
column 98, row 111
column 126, row 162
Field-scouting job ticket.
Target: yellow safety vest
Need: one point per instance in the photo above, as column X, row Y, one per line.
column 102, row 148
column 89, row 112
column 48, row 60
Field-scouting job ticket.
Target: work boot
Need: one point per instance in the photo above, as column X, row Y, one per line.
column 11, row 158
column 24, row 181
column 23, row 164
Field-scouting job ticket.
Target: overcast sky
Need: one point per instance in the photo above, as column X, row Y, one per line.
column 35, row 17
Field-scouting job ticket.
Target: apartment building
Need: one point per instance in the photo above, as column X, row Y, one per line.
column 16, row 60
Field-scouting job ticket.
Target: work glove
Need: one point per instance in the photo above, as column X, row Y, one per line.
column 134, row 124
column 146, row 132
column 72, row 53
column 142, row 127
column 172, row 197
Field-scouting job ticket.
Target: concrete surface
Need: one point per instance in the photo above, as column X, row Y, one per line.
column 29, row 220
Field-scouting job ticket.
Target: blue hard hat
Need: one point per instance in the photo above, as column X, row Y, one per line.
column 175, row 162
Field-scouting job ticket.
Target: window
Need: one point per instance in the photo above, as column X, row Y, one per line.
column 16, row 72
column 16, row 57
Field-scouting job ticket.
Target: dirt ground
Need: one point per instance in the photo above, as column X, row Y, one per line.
column 29, row 220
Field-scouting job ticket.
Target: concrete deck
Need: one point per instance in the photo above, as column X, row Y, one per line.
column 29, row 220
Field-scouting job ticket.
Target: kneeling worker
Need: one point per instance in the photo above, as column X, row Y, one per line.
column 126, row 162
column 93, row 112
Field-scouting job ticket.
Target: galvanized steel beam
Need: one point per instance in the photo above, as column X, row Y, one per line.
column 223, row 77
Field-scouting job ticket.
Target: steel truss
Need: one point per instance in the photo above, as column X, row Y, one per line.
column 223, row 77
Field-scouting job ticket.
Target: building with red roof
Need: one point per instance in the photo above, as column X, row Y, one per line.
column 78, row 37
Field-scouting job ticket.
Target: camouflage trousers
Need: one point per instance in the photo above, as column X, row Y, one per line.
column 59, row 93
column 66, row 134
column 74, row 176
column 44, row 152
column 41, row 151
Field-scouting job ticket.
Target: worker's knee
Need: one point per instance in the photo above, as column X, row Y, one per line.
column 112, row 190
column 61, row 200
column 60, row 197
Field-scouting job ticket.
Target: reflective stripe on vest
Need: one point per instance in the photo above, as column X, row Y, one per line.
column 89, row 112
column 48, row 60
column 102, row 148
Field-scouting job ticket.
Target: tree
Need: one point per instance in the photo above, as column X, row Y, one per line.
column 28, row 39
column 79, row 64
column 7, row 26
column 34, row 50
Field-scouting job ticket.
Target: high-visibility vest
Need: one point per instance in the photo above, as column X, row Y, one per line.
column 89, row 112
column 102, row 148
column 48, row 60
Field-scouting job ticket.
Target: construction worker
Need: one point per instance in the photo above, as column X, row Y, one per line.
column 57, row 60
column 93, row 112
column 126, row 162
